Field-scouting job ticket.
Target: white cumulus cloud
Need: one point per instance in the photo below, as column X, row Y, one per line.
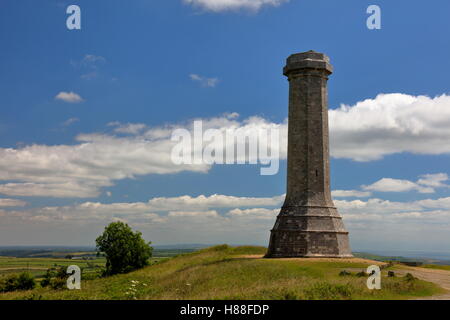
column 388, row 124
column 255, row 213
column 434, row 180
column 426, row 184
column 194, row 214
column 129, row 128
column 97, row 160
column 70, row 121
column 70, row 97
column 204, row 81
column 12, row 203
column 227, row 5
column 396, row 185
column 367, row 131
column 350, row 194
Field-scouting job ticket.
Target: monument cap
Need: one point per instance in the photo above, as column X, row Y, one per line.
column 307, row 60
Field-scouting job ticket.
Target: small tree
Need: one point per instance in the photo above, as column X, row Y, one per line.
column 55, row 278
column 13, row 282
column 124, row 249
column 49, row 274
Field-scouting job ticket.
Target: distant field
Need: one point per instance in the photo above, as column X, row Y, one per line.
column 38, row 266
column 224, row 272
column 376, row 257
column 38, row 262
column 424, row 262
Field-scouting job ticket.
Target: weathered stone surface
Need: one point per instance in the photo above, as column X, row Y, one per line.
column 308, row 224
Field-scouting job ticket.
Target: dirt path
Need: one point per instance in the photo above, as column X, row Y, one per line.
column 439, row 277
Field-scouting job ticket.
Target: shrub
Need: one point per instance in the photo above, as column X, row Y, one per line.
column 290, row 295
column 220, row 247
column 25, row 281
column 14, row 282
column 49, row 274
column 124, row 249
column 410, row 277
column 8, row 283
column 58, row 283
column 55, row 278
column 391, row 274
column 344, row 273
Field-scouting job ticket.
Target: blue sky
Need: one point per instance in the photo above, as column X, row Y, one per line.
column 133, row 63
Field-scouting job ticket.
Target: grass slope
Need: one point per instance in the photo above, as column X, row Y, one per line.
column 223, row 272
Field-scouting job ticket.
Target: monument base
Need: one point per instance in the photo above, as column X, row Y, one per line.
column 316, row 233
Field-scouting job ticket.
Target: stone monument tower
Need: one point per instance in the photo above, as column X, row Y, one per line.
column 308, row 225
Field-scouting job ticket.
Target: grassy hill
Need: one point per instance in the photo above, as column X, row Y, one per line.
column 224, row 272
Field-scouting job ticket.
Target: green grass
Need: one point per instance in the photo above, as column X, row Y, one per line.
column 223, row 272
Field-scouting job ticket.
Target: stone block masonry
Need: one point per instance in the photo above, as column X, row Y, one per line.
column 309, row 224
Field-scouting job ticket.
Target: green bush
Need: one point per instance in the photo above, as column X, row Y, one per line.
column 49, row 274
column 58, row 283
column 410, row 277
column 220, row 247
column 124, row 249
column 8, row 283
column 25, row 281
column 290, row 295
column 14, row 282
column 361, row 274
column 55, row 278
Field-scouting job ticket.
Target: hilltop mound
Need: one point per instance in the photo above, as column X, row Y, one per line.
column 224, row 272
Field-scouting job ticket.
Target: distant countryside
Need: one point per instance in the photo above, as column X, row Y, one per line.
column 37, row 261
column 222, row 272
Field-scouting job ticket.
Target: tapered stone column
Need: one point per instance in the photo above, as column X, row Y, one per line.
column 309, row 224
